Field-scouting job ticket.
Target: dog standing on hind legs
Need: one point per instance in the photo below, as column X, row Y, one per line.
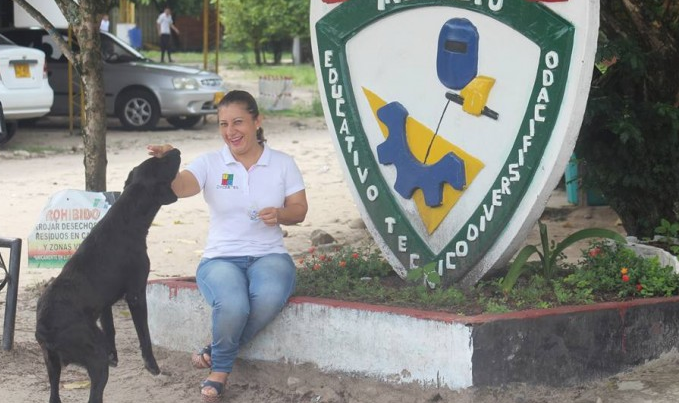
column 111, row 263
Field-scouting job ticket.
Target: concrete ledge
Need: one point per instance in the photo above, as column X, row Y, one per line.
column 562, row 346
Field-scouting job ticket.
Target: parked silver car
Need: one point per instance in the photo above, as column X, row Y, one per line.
column 139, row 91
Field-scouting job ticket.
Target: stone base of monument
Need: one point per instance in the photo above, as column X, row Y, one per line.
column 560, row 347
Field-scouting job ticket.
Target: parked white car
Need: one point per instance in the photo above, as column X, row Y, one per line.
column 25, row 92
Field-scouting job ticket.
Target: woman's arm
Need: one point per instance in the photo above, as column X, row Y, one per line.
column 293, row 211
column 185, row 184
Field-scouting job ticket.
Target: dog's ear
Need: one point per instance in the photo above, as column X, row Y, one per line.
column 165, row 194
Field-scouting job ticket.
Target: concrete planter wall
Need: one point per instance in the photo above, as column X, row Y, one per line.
column 559, row 347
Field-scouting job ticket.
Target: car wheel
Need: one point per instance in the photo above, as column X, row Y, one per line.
column 184, row 122
column 9, row 133
column 138, row 110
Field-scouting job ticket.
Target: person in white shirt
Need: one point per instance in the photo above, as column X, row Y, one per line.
column 246, row 274
column 165, row 24
column 104, row 25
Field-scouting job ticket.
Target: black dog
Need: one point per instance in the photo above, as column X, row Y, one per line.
column 111, row 262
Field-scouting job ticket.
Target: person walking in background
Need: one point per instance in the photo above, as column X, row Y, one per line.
column 165, row 24
column 104, row 25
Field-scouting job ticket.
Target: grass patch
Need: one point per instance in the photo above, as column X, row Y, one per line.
column 34, row 149
column 301, row 110
column 303, row 75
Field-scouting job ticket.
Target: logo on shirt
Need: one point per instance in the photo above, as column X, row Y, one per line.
column 227, row 182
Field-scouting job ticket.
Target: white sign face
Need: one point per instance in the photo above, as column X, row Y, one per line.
column 64, row 222
column 454, row 119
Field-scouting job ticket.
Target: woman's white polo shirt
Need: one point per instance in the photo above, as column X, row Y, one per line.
column 235, row 195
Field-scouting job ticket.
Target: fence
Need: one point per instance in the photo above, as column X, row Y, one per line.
column 275, row 93
column 11, row 280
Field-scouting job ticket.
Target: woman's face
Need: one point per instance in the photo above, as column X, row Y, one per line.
column 238, row 128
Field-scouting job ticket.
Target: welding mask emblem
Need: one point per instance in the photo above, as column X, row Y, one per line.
column 458, row 53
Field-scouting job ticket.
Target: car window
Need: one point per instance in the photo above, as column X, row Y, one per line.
column 116, row 52
column 52, row 50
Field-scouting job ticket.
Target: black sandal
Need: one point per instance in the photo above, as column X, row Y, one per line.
column 198, row 359
column 217, row 386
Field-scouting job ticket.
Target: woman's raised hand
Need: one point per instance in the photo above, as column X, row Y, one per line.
column 158, row 150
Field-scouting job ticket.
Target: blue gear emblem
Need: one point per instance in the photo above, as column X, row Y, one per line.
column 411, row 174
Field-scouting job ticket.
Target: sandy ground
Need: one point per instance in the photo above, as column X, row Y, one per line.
column 175, row 243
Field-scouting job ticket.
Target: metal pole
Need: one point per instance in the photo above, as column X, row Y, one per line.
column 217, row 33
column 205, row 35
column 12, row 290
column 70, row 84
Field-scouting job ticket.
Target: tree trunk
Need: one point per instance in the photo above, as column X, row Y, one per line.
column 277, row 49
column 94, row 129
column 258, row 54
column 84, row 18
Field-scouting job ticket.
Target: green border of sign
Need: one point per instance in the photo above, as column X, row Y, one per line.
column 546, row 29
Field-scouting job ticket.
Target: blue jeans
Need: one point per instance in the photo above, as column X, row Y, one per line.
column 245, row 293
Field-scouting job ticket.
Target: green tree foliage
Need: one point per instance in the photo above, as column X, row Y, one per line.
column 630, row 136
column 257, row 24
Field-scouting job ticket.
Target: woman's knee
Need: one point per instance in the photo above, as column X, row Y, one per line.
column 234, row 311
column 221, row 282
column 272, row 278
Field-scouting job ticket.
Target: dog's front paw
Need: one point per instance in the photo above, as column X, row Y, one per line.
column 152, row 367
column 113, row 359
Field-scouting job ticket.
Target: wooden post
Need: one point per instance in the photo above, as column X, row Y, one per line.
column 205, row 34
column 217, row 33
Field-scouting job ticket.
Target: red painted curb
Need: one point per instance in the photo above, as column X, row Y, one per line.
column 175, row 284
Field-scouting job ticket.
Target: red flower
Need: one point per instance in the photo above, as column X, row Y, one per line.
column 354, row 255
column 322, row 257
column 640, row 287
column 316, row 266
column 594, row 252
column 342, row 263
column 312, row 249
column 301, row 260
column 625, row 278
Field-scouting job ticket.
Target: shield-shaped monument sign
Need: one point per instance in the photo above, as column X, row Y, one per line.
column 453, row 119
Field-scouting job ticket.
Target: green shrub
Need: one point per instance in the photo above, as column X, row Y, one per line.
column 608, row 268
column 629, row 138
column 364, row 275
column 344, row 273
column 668, row 236
column 605, row 272
column 551, row 253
